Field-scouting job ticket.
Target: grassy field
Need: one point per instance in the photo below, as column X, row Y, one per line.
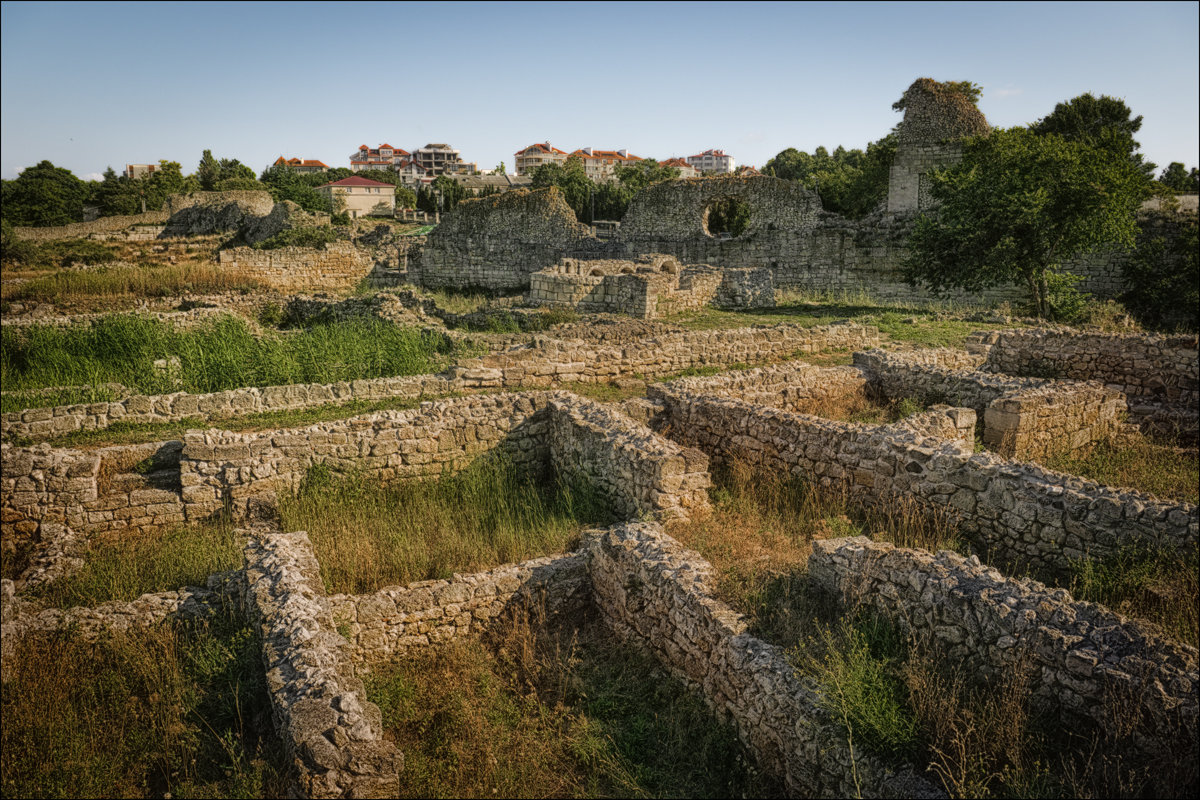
column 127, row 566
column 217, row 355
column 904, row 702
column 170, row 711
column 367, row 536
column 555, row 713
column 1136, row 462
column 103, row 287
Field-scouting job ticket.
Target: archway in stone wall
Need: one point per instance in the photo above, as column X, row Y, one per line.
column 725, row 217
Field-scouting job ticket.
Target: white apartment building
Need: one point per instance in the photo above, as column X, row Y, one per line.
column 713, row 162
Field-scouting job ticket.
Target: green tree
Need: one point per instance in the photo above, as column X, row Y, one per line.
column 1016, row 207
column 571, row 178
column 850, row 182
column 500, row 169
column 1176, row 178
column 208, row 172
column 1163, row 276
column 1103, row 122
column 44, row 195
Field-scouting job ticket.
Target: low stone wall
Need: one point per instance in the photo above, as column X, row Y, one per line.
column 1140, row 365
column 639, row 472
column 38, row 486
column 538, row 364
column 1023, row 417
column 391, row 622
column 794, row 386
column 336, row 266
column 333, row 734
column 81, row 230
column 180, row 320
column 1086, row 660
column 546, row 361
column 1015, row 512
column 661, row 597
column 220, row 468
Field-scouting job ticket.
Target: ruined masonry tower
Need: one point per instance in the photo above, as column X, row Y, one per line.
column 936, row 118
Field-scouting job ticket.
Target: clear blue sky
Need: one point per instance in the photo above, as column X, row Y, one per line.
column 88, row 85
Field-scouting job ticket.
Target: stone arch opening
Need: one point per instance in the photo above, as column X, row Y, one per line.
column 726, row 217
column 597, row 273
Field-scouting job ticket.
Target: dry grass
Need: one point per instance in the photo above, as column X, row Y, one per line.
column 166, row 711
column 1136, row 462
column 122, row 282
column 559, row 712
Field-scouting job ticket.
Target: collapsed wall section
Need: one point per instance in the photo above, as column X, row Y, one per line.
column 1083, row 659
column 335, row 266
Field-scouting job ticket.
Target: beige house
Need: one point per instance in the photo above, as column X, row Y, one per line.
column 534, row 156
column 713, row 162
column 600, row 165
column 301, row 164
column 361, row 197
column 383, row 157
column 135, row 171
column 686, row 170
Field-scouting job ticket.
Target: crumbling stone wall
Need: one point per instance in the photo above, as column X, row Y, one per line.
column 661, row 597
column 202, row 213
column 936, row 119
column 1086, row 661
column 1023, row 417
column 336, row 266
column 221, row 467
column 1020, row 513
column 333, row 734
column 640, row 473
column 82, row 230
column 496, row 242
column 397, row 619
column 794, row 386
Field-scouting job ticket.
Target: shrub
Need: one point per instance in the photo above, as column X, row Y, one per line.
column 300, row 237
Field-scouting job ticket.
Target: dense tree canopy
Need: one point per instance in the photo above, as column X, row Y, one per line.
column 609, row 199
column 1103, row 122
column 1176, row 178
column 44, row 195
column 117, row 194
column 850, row 182
column 1017, row 206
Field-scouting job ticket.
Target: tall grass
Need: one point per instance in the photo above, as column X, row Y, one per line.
column 220, row 354
column 555, row 713
column 368, row 536
column 126, row 567
column 128, row 281
column 168, row 711
column 1137, row 462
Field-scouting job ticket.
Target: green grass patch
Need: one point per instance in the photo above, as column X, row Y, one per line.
column 124, row 568
column 220, row 354
column 368, row 536
column 106, row 284
column 1162, row 587
column 168, row 711
column 58, row 254
column 1136, row 462
column 549, row 714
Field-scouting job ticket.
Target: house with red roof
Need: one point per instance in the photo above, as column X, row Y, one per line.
column 601, row 165
column 686, row 170
column 383, row 157
column 361, row 197
column 301, row 165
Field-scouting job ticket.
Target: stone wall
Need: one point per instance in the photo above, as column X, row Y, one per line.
column 795, row 386
column 201, row 213
column 220, row 468
column 336, row 266
column 1022, row 417
column 1085, row 660
column 1016, row 512
column 641, row 474
column 82, row 230
column 1139, row 365
column 908, row 182
column 334, row 736
column 658, row 596
column 496, row 242
column 397, row 619
column 537, row 364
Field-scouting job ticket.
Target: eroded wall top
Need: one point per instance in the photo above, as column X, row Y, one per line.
column 677, row 210
column 528, row 215
column 934, row 112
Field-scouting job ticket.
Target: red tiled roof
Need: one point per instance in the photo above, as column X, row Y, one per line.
column 710, row 152
column 674, row 162
column 354, row 180
column 612, row 154
column 545, row 148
